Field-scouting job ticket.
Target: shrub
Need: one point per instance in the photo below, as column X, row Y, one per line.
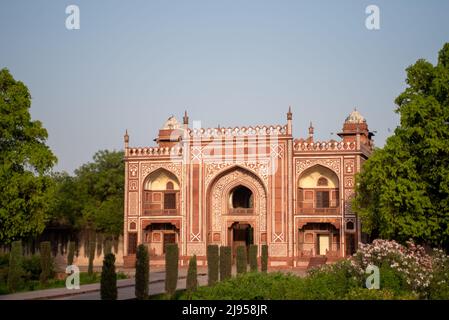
column 439, row 284
column 192, row 279
column 108, row 285
column 70, row 253
column 32, row 267
column 142, row 272
column 15, row 271
column 46, row 262
column 253, row 258
column 171, row 268
column 241, row 259
column 212, row 264
column 264, row 258
column 91, row 252
column 225, row 263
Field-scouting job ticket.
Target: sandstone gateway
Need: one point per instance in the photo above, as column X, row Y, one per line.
column 242, row 186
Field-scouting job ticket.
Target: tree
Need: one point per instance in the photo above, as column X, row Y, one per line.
column 99, row 185
column 15, row 270
column 25, row 161
column 171, row 268
column 403, row 190
column 242, row 263
column 212, row 264
column 253, row 258
column 192, row 278
column 264, row 258
column 225, row 263
column 108, row 284
column 142, row 272
column 91, row 256
column 71, row 252
column 46, row 262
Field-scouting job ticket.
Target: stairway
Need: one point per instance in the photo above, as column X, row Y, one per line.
column 316, row 262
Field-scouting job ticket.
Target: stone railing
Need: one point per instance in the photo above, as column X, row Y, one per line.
column 238, row 131
column 154, row 151
column 325, row 146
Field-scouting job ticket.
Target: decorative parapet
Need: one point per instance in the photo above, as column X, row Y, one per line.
column 238, row 131
column 154, row 151
column 325, row 146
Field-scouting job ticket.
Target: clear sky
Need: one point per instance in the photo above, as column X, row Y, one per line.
column 134, row 63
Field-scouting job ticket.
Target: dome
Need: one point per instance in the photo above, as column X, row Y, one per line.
column 355, row 117
column 171, row 123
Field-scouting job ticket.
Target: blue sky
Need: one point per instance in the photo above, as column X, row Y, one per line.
column 134, row 63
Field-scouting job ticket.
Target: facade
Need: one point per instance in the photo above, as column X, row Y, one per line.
column 244, row 185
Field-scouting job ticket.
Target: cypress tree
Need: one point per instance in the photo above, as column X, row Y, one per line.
column 253, row 258
column 71, row 252
column 46, row 261
column 241, row 259
column 15, row 271
column 225, row 263
column 171, row 268
column 192, row 278
column 212, row 264
column 108, row 285
column 91, row 252
column 264, row 258
column 142, row 272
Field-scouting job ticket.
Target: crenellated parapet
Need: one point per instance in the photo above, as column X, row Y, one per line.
column 324, row 146
column 154, row 151
column 272, row 130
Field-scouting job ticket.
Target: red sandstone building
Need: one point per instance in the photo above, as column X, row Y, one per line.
column 244, row 185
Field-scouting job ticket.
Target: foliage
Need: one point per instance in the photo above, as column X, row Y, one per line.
column 15, row 271
column 32, row 267
column 403, row 190
column 241, row 259
column 212, row 264
column 439, row 283
column 253, row 258
column 108, row 283
column 91, row 256
column 93, row 198
column 25, row 161
column 225, row 263
column 171, row 268
column 192, row 278
column 71, row 252
column 142, row 272
column 46, row 262
column 264, row 258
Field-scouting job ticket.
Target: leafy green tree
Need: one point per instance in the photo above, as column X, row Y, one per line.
column 108, row 284
column 15, row 271
column 242, row 262
column 142, row 272
column 25, row 161
column 46, row 262
column 264, row 258
column 253, row 258
column 212, row 264
column 171, row 268
column 403, row 190
column 71, row 252
column 100, row 188
column 192, row 276
column 225, row 263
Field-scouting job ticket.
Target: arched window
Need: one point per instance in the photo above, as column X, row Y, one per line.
column 322, row 182
column 241, row 197
column 350, row 225
column 169, row 185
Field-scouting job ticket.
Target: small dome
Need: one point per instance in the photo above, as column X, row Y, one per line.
column 355, row 117
column 171, row 123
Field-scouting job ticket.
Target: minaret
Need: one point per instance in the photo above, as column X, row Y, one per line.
column 126, row 138
column 289, row 120
column 310, row 138
column 185, row 119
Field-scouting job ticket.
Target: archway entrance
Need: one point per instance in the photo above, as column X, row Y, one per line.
column 240, row 234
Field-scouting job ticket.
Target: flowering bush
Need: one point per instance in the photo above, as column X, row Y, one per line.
column 423, row 273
